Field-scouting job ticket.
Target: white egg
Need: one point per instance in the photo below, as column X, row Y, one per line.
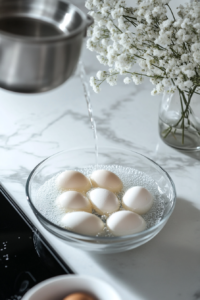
column 104, row 201
column 82, row 222
column 137, row 199
column 73, row 201
column 73, row 180
column 107, row 180
column 125, row 222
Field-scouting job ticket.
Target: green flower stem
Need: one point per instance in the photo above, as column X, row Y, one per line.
column 130, row 17
column 108, row 75
column 167, row 131
column 116, row 26
column 183, row 128
column 183, row 123
column 185, row 114
column 135, row 73
column 171, row 11
column 101, row 82
column 162, row 69
column 132, row 22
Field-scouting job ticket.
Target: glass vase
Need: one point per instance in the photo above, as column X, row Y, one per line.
column 179, row 120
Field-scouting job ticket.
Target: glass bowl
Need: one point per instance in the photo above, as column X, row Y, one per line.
column 82, row 158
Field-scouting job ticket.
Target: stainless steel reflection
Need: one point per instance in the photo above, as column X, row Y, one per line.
column 40, row 43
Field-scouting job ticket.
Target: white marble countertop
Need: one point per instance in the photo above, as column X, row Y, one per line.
column 33, row 127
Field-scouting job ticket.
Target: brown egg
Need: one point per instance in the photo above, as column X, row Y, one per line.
column 79, row 296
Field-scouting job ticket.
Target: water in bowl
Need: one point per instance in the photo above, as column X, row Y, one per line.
column 45, row 197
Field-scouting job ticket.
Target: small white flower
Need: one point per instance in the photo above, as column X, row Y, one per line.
column 121, row 24
column 178, row 23
column 89, row 31
column 148, row 17
column 133, row 51
column 110, row 25
column 111, row 71
column 92, row 81
column 196, row 26
column 116, row 13
column 101, row 75
column 141, row 12
column 96, row 89
column 102, row 22
column 97, row 3
column 160, row 88
column 137, row 79
column 96, row 16
column 156, row 11
column 186, row 37
column 190, row 73
column 166, row 24
column 188, row 84
column 195, row 47
column 181, row 33
column 184, row 57
column 196, row 56
column 112, row 80
column 90, row 45
column 89, row 4
column 105, row 42
column 171, row 90
column 186, row 22
column 154, row 81
column 105, row 10
column 166, row 82
column 154, row 92
column 117, row 47
column 181, row 86
column 127, row 80
column 141, row 27
column 103, row 60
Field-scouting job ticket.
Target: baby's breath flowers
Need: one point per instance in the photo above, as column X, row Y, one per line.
column 167, row 49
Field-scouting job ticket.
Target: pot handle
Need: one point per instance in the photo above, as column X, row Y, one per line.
column 89, row 22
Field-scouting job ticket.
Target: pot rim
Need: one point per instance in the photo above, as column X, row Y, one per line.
column 58, row 38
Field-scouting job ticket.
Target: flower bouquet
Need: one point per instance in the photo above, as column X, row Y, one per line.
column 165, row 46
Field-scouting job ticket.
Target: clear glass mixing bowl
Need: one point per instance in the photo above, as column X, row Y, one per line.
column 81, row 158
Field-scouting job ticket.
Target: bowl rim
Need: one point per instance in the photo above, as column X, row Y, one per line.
column 59, row 278
column 89, row 237
column 57, row 38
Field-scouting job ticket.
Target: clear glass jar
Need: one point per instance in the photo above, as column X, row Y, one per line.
column 179, row 120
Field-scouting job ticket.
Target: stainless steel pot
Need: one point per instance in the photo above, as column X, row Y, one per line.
column 40, row 43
